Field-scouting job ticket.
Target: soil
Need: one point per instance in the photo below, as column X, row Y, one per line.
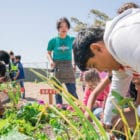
column 33, row 92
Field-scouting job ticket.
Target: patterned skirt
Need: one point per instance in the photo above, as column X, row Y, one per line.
column 64, row 71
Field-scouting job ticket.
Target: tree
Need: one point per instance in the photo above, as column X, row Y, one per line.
column 79, row 24
column 100, row 19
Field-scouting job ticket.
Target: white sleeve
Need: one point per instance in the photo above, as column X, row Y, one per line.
column 122, row 39
column 120, row 83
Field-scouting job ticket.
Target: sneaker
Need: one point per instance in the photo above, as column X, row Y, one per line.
column 22, row 95
column 70, row 108
column 59, row 106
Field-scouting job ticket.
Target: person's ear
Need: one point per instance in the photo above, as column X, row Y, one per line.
column 95, row 47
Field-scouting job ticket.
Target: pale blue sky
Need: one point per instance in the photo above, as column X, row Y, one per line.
column 27, row 25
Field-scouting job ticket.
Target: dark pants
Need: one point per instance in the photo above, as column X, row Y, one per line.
column 71, row 89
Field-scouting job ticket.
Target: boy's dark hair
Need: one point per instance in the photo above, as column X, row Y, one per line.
column 4, row 56
column 18, row 57
column 127, row 6
column 81, row 45
column 63, row 19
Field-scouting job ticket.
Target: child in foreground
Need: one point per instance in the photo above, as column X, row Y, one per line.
column 92, row 79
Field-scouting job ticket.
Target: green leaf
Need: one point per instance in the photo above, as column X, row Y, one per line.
column 115, row 111
column 125, row 101
column 59, row 138
column 15, row 135
column 117, row 96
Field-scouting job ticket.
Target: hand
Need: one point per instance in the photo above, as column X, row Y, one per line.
column 87, row 116
column 74, row 69
column 52, row 64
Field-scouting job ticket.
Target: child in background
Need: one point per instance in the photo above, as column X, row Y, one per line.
column 92, row 79
column 19, row 77
column 12, row 66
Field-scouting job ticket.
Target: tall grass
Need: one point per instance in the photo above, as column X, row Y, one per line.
column 90, row 131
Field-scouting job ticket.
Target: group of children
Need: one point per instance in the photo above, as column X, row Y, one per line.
column 11, row 69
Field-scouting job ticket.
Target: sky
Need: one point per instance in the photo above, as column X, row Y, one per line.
column 27, row 25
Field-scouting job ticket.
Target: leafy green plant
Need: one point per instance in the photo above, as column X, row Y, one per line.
column 13, row 90
column 24, row 120
column 121, row 104
column 88, row 130
column 33, row 119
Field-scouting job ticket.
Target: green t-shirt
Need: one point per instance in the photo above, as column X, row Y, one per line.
column 61, row 47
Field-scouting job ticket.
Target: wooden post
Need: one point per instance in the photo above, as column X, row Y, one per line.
column 50, row 99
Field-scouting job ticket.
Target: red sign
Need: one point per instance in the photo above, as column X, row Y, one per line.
column 47, row 91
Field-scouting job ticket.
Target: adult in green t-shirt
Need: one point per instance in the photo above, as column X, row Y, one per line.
column 59, row 52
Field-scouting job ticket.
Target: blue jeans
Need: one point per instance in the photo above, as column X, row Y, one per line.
column 71, row 89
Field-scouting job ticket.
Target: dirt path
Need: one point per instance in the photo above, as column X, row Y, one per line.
column 33, row 92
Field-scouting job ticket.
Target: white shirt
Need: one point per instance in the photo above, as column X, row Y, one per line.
column 120, row 83
column 122, row 39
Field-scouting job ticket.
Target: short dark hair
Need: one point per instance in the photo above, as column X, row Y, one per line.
column 126, row 6
column 63, row 19
column 18, row 57
column 11, row 53
column 81, row 45
column 4, row 56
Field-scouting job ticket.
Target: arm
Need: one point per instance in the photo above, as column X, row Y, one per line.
column 87, row 93
column 50, row 49
column 74, row 67
column 120, row 83
column 96, row 92
column 73, row 63
column 17, row 74
column 49, row 55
